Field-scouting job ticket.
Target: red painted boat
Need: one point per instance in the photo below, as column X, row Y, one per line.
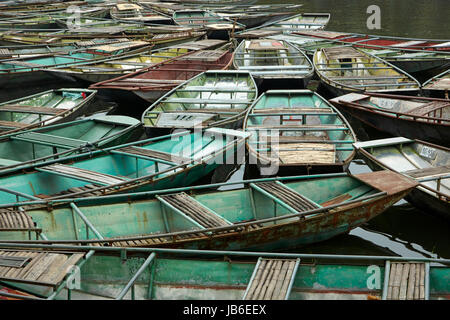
column 377, row 42
column 151, row 83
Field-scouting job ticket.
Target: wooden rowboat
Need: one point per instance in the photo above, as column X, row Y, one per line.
column 210, row 99
column 38, row 145
column 376, row 41
column 409, row 60
column 217, row 27
column 32, row 69
column 428, row 164
column 420, row 118
column 263, row 214
column 347, row 69
column 438, row 86
column 102, row 70
column 161, row 274
column 274, row 60
column 286, row 25
column 136, row 13
column 158, row 39
column 152, row 83
column 44, row 108
column 169, row 161
column 297, row 130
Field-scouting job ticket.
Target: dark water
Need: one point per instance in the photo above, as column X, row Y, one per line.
column 401, row 230
column 401, row 18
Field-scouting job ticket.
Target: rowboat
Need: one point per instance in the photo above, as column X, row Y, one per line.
column 428, row 164
column 297, row 130
column 420, row 118
column 211, row 99
column 163, row 274
column 174, row 160
column 106, row 69
column 135, row 12
column 263, row 214
column 25, row 51
column 44, row 108
column 32, row 69
column 438, row 86
column 346, row 69
column 274, row 60
column 409, row 60
column 37, row 145
column 152, row 83
column 252, row 19
column 376, row 41
column 158, row 39
column 302, row 21
column 217, row 27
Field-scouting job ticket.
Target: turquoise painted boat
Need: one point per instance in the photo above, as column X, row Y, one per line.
column 175, row 160
column 297, row 130
column 50, row 142
column 262, row 214
column 158, row 274
column 14, row 72
column 211, row 99
column 44, row 108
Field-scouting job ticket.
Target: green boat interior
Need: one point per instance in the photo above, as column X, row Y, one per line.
column 298, row 126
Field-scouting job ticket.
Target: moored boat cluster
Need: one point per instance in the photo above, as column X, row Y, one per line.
column 140, row 205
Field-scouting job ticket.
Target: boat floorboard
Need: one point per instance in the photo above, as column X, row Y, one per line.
column 287, row 195
column 272, row 279
column 43, row 268
column 406, row 281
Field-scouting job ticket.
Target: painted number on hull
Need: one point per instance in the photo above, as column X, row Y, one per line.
column 428, row 152
column 374, row 279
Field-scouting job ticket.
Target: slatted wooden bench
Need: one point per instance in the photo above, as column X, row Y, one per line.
column 206, row 101
column 49, row 140
column 427, row 108
column 342, row 53
column 183, row 119
column 12, row 124
column 37, row 267
column 13, row 220
column 154, row 155
column 82, row 174
column 287, row 195
column 429, row 172
column 205, row 55
column 31, row 109
column 406, row 281
column 272, row 279
column 194, row 210
column 305, row 152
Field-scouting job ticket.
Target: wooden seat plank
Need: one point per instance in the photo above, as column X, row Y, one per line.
column 428, row 172
column 195, row 210
column 429, row 107
column 31, row 109
column 271, row 279
column 82, row 174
